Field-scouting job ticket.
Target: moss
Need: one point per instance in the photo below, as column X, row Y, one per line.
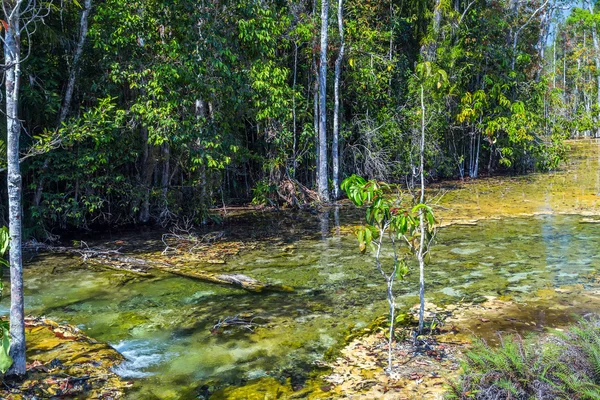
column 259, row 389
column 63, row 362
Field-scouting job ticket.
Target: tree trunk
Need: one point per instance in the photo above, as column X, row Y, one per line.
column 554, row 64
column 147, row 167
column 545, row 29
column 429, row 49
column 165, row 178
column 596, row 59
column 336, row 112
column 66, row 104
column 83, row 29
column 12, row 58
column 420, row 253
column 295, row 144
column 315, row 70
column 516, row 34
column 476, row 168
column 322, row 183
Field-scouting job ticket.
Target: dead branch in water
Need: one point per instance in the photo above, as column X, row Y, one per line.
column 236, row 321
column 183, row 238
column 295, row 194
column 115, row 260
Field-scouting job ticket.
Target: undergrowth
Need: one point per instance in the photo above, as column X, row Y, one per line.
column 556, row 366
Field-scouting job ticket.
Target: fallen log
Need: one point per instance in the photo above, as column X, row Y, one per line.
column 115, row 260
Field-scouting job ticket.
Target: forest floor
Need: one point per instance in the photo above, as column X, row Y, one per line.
column 64, row 363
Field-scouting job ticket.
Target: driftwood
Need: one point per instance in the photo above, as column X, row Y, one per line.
column 238, row 321
column 115, row 260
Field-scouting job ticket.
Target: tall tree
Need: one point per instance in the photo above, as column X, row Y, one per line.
column 19, row 16
column 322, row 183
column 596, row 48
column 335, row 146
column 66, row 104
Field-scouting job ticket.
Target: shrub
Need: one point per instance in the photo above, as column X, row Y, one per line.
column 556, row 366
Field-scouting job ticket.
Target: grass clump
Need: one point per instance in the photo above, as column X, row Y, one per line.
column 556, row 366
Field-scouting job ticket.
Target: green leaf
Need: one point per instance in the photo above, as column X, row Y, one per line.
column 4, row 240
column 368, row 236
column 5, row 359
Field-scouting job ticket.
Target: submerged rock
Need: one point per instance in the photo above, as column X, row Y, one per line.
column 63, row 362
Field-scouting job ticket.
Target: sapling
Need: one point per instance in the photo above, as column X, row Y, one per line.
column 390, row 222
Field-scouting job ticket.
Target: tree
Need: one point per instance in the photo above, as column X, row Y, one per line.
column 19, row 16
column 322, row 184
column 335, row 146
column 390, row 220
column 426, row 77
column 68, row 97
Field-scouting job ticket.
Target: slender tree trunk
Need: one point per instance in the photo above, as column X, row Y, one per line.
column 554, row 64
column 295, row 145
column 420, row 253
column 147, row 167
column 565, row 73
column 322, row 183
column 12, row 59
column 545, row 29
column 336, row 112
column 315, row 70
column 165, row 178
column 83, row 30
column 516, row 34
column 597, row 61
column 596, row 56
column 476, row 168
column 316, row 127
column 66, row 104
column 429, row 49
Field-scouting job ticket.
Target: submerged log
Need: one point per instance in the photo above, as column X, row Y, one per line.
column 243, row 281
column 115, row 260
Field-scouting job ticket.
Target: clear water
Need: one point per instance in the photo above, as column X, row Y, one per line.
column 164, row 325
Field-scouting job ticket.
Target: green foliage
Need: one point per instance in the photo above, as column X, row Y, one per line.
column 4, row 245
column 387, row 211
column 561, row 366
column 5, row 359
column 262, row 193
column 217, row 98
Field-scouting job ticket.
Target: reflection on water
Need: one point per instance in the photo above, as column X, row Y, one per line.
column 163, row 325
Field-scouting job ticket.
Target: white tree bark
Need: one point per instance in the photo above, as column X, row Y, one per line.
column 516, row 35
column 336, row 111
column 596, row 51
column 322, row 184
column 12, row 61
column 421, row 252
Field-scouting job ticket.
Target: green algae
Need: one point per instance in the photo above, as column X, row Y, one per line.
column 62, row 362
column 163, row 324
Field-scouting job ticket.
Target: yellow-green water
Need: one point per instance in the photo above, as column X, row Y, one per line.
column 163, row 324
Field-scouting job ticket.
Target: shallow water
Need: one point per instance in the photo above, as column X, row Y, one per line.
column 164, row 325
